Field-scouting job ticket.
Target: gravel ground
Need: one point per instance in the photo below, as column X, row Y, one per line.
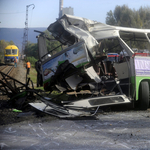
column 6, row 110
column 20, row 72
column 127, row 130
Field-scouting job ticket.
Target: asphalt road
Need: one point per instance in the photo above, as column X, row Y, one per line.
column 121, row 130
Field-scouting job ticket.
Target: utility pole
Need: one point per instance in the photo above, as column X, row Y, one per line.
column 25, row 35
column 60, row 8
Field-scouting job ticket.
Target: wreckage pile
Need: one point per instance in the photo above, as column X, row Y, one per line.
column 16, row 92
column 10, row 103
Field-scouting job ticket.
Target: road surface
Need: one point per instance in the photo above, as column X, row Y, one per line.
column 121, row 130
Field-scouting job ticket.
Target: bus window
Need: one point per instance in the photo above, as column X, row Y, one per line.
column 113, row 57
column 14, row 51
column 8, row 51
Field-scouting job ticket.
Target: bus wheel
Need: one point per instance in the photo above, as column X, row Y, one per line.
column 144, row 95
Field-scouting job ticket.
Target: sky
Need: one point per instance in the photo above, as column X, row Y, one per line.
column 13, row 12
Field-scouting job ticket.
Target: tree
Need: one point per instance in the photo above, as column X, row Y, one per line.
column 52, row 44
column 144, row 13
column 31, row 49
column 110, row 18
column 126, row 17
column 11, row 43
column 3, row 45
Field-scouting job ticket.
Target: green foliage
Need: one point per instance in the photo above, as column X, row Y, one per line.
column 31, row 50
column 32, row 60
column 144, row 13
column 11, row 43
column 110, row 18
column 126, row 17
column 3, row 45
column 51, row 44
column 33, row 74
column 1, row 57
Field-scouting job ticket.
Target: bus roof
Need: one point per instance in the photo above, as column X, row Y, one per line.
column 11, row 47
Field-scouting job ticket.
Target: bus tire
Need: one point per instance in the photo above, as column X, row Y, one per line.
column 144, row 95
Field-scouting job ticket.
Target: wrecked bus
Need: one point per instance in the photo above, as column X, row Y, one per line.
column 80, row 72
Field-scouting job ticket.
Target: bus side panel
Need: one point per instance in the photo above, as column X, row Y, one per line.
column 142, row 70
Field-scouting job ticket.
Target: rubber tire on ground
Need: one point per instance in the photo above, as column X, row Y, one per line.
column 144, row 95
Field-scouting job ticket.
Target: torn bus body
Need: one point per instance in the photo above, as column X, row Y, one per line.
column 84, row 73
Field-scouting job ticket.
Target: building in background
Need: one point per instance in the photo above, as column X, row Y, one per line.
column 66, row 10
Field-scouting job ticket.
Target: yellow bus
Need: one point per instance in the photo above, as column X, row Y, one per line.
column 11, row 51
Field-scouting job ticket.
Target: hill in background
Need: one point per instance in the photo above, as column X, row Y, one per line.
column 16, row 35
